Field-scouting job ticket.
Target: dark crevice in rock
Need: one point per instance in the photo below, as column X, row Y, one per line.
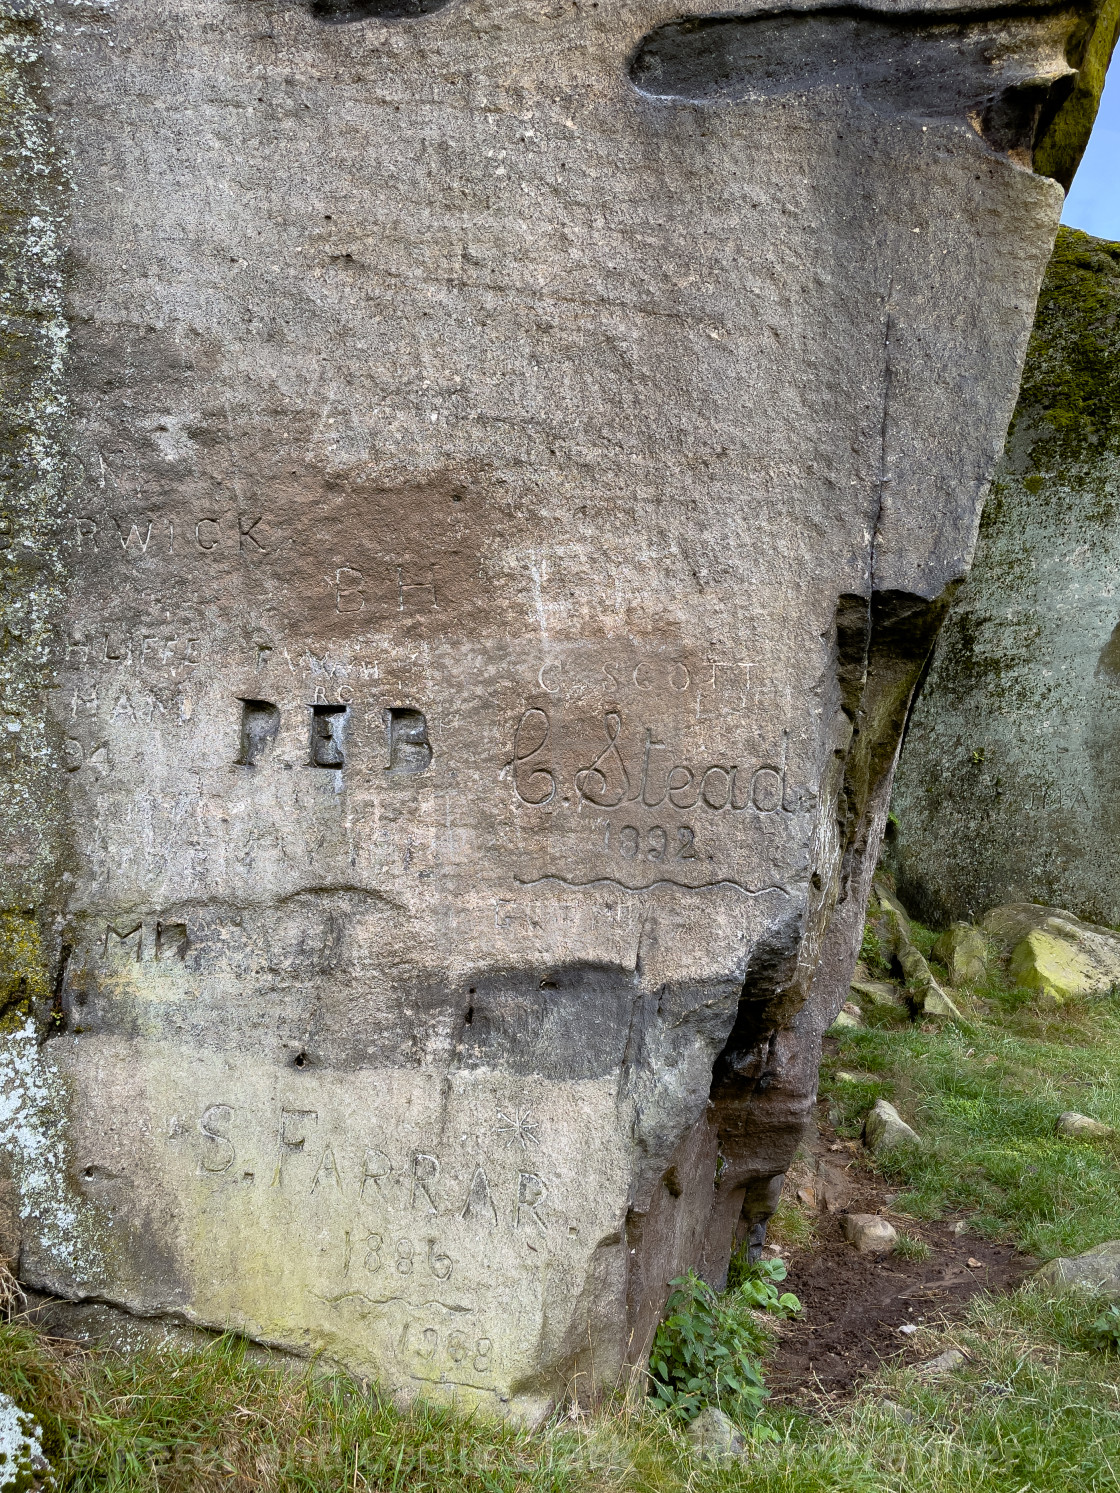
column 770, row 975
column 902, row 632
column 764, row 1080
column 342, row 12
column 1007, row 74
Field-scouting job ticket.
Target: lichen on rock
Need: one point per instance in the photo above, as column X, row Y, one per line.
column 23, row 1467
column 1053, row 952
column 1007, row 790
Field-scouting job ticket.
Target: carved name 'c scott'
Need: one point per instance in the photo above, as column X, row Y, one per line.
column 620, row 777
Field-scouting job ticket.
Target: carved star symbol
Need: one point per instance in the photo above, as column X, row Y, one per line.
column 519, row 1129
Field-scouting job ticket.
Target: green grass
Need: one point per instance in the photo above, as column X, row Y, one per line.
column 985, row 1095
column 215, row 1418
column 910, row 1247
column 790, row 1226
column 1035, row 1410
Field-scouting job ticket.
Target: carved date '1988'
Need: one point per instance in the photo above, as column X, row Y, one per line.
column 425, row 1343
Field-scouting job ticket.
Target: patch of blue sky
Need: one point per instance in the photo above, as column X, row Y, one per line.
column 1093, row 203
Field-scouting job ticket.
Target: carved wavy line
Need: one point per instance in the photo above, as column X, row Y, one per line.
column 688, row 886
column 462, row 1383
column 369, row 1300
column 415, row 1306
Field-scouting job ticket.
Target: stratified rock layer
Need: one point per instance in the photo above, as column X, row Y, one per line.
column 1009, row 789
column 516, row 462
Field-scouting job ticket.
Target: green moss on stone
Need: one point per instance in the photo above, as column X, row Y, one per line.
column 23, row 973
column 1063, row 141
column 1070, row 398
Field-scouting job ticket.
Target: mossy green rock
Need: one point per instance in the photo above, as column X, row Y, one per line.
column 1097, row 1270
column 1007, row 788
column 963, row 950
column 1057, row 965
column 888, row 921
column 877, row 992
column 1053, row 952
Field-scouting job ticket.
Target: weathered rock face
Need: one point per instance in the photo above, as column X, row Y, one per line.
column 515, row 465
column 1008, row 788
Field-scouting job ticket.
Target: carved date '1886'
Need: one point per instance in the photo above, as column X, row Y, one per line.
column 613, row 779
column 402, row 1257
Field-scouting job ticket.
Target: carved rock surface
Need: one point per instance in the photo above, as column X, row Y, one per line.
column 486, row 480
column 1007, row 790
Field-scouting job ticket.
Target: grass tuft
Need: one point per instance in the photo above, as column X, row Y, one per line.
column 910, row 1247
column 190, row 1421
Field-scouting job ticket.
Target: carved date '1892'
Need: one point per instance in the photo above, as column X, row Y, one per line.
column 656, row 844
column 613, row 779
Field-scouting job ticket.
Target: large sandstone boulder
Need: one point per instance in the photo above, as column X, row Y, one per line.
column 485, row 480
column 1053, row 952
column 1007, row 790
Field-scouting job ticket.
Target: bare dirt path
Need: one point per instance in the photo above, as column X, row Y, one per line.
column 854, row 1305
